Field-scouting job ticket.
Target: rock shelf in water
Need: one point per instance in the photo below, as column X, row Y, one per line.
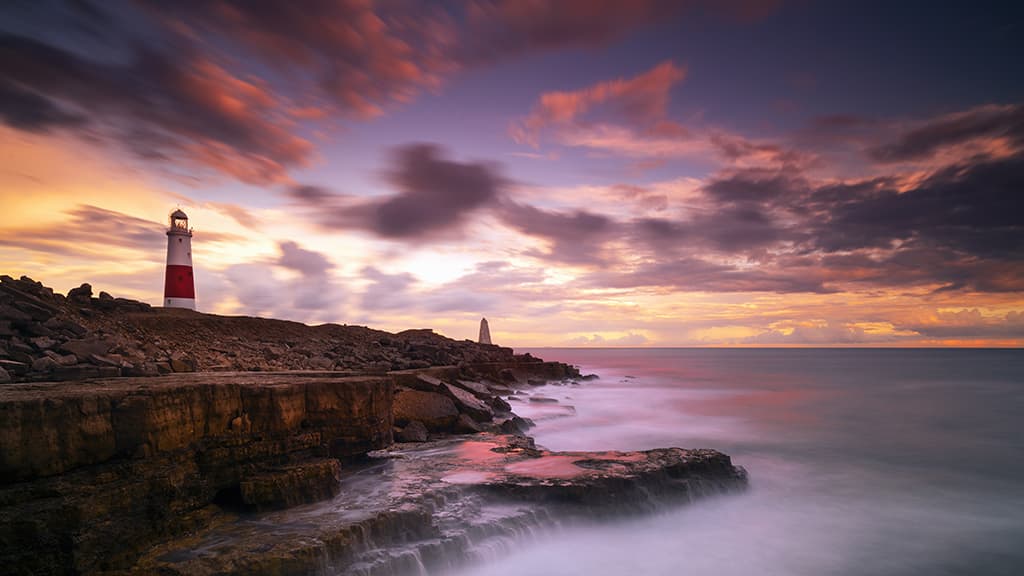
column 444, row 504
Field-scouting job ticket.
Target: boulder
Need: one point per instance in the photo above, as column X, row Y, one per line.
column 425, row 383
column 181, row 363
column 4, row 376
column 83, row 348
column 414, row 431
column 44, row 364
column 436, row 411
column 500, row 405
column 543, row 400
column 81, row 295
column 466, row 425
column 468, row 404
column 516, row 425
column 478, row 389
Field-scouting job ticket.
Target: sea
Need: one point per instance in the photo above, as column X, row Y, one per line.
column 862, row 462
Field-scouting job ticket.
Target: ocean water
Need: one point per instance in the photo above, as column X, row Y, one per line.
column 862, row 462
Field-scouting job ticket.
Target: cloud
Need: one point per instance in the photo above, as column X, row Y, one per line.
column 576, row 237
column 630, row 339
column 961, row 207
column 629, row 117
column 256, row 288
column 639, row 100
column 225, row 87
column 435, row 196
column 498, row 29
column 990, row 122
column 306, row 262
column 969, row 323
column 821, row 332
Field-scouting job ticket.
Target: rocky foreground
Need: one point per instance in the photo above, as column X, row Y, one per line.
column 136, row 440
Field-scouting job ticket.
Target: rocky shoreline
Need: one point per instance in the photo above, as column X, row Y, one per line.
column 336, row 450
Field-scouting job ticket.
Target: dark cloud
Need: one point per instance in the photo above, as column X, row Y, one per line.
column 982, row 122
column 699, row 275
column 435, row 196
column 497, row 29
column 158, row 102
column 306, row 262
column 576, row 237
column 971, row 208
column 31, row 112
column 93, row 231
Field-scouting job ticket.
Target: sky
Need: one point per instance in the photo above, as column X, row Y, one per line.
column 580, row 172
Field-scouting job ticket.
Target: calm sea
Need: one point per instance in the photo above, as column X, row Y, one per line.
column 862, row 462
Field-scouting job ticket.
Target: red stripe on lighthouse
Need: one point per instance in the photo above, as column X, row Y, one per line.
column 179, row 283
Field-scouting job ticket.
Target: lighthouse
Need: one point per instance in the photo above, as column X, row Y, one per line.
column 179, row 287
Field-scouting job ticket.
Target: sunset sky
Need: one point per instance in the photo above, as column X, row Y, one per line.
column 580, row 172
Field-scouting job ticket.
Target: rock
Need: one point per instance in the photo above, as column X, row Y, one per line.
column 468, row 404
column 589, row 377
column 478, row 389
column 12, row 314
column 81, row 295
column 179, row 362
column 506, row 375
column 44, row 364
column 291, row 486
column 436, row 411
column 414, row 431
column 105, row 296
column 499, row 405
column 543, row 400
column 320, row 363
column 104, row 360
column 110, row 470
column 466, row 425
column 516, row 425
column 15, row 367
column 86, row 347
column 4, row 376
column 426, row 383
column 43, row 342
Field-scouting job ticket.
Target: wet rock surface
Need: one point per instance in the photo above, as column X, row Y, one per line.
column 444, row 504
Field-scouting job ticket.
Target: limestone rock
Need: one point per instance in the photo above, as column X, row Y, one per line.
column 110, row 469
column 479, row 389
column 291, row 486
column 466, row 425
column 44, row 364
column 468, row 404
column 81, row 295
column 414, row 431
column 86, row 347
column 436, row 411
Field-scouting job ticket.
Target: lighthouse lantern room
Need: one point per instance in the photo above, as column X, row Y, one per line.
column 179, row 285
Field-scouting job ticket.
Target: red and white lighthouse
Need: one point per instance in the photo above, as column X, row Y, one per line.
column 179, row 286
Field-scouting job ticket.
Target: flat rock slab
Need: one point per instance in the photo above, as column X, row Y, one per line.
column 423, row 500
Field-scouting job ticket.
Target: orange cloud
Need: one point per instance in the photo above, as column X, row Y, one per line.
column 641, row 99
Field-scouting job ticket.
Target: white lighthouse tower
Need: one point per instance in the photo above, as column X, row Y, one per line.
column 179, row 285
